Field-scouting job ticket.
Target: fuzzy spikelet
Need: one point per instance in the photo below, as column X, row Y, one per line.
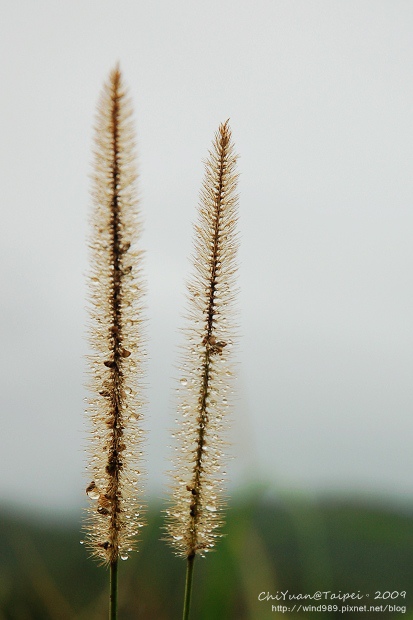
column 194, row 514
column 115, row 334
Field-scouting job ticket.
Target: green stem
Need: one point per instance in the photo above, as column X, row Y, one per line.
column 188, row 586
column 113, row 602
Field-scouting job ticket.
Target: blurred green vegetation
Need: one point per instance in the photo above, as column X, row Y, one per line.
column 272, row 543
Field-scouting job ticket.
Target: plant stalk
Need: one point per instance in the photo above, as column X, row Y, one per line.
column 188, row 586
column 113, row 602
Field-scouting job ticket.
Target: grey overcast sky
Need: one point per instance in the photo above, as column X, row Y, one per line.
column 320, row 97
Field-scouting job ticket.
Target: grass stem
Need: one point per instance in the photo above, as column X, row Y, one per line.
column 188, row 586
column 113, row 603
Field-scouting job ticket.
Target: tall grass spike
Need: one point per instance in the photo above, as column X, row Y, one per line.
column 115, row 334
column 195, row 512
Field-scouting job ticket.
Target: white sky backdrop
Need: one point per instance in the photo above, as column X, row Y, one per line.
column 320, row 96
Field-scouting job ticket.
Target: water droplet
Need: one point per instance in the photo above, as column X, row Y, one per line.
column 177, row 537
column 124, row 556
column 82, row 542
column 92, row 491
column 211, row 508
column 183, row 381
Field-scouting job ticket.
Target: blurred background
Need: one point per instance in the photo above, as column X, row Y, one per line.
column 319, row 96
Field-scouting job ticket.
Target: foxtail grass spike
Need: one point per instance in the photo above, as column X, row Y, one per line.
column 194, row 515
column 115, row 334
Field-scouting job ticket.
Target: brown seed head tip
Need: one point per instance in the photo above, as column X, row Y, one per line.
column 225, row 131
column 116, row 74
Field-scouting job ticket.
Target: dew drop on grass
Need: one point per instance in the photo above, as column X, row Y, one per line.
column 124, row 556
column 183, row 381
column 92, row 491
